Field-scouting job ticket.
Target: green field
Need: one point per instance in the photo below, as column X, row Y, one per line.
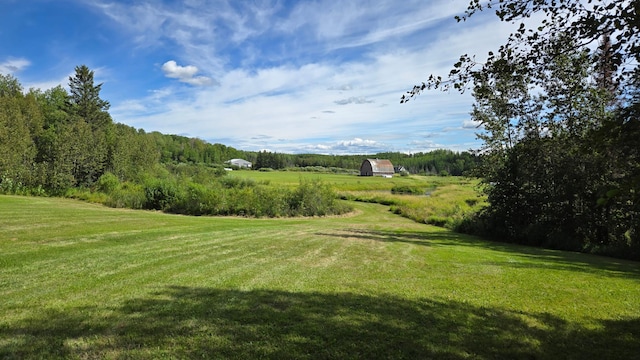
column 445, row 201
column 83, row 281
column 344, row 182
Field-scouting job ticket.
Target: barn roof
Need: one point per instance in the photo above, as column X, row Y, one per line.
column 381, row 166
column 239, row 162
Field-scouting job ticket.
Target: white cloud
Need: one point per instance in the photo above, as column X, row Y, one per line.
column 424, row 145
column 130, row 106
column 270, row 88
column 185, row 74
column 295, row 103
column 353, row 100
column 199, row 81
column 201, row 32
column 353, row 146
column 58, row 80
column 13, row 65
column 358, row 142
column 345, row 87
column 471, row 124
column 173, row 70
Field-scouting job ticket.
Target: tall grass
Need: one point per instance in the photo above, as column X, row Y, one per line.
column 441, row 204
column 441, row 201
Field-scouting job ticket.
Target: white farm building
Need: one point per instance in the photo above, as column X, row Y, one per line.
column 241, row 163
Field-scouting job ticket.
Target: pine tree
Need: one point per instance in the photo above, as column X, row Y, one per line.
column 85, row 98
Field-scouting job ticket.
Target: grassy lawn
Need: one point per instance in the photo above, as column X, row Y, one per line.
column 84, row 281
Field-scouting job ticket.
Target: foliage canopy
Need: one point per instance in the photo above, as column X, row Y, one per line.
column 558, row 107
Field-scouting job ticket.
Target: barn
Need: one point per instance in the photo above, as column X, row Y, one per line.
column 241, row 163
column 376, row 167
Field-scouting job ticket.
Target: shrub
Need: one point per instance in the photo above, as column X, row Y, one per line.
column 240, row 201
column 230, row 182
column 107, row 183
column 160, row 194
column 198, row 199
column 87, row 195
column 128, row 195
column 227, row 196
column 36, row 191
column 9, row 186
column 270, row 201
column 313, row 198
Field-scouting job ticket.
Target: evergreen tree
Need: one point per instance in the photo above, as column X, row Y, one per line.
column 97, row 138
column 85, row 98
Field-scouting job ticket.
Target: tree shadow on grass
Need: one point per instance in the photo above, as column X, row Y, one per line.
column 409, row 237
column 187, row 322
column 524, row 256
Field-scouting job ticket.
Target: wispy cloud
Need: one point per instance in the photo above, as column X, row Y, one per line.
column 298, row 102
column 352, row 146
column 294, row 70
column 345, row 87
column 13, row 65
column 353, row 100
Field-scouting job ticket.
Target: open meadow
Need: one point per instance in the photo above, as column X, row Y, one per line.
column 441, row 201
column 83, row 281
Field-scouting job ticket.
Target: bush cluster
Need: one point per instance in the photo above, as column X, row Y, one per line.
column 223, row 196
column 9, row 186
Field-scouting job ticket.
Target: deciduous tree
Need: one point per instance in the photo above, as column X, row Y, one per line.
column 560, row 145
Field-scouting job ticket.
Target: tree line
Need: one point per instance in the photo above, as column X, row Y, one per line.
column 437, row 162
column 55, row 139
column 59, row 142
column 560, row 123
column 65, row 143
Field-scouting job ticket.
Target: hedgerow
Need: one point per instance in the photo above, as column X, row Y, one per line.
column 219, row 196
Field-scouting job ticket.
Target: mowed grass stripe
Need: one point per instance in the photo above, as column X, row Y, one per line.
column 138, row 260
column 458, row 272
column 127, row 284
column 149, row 249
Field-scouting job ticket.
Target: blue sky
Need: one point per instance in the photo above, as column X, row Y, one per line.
column 319, row 76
